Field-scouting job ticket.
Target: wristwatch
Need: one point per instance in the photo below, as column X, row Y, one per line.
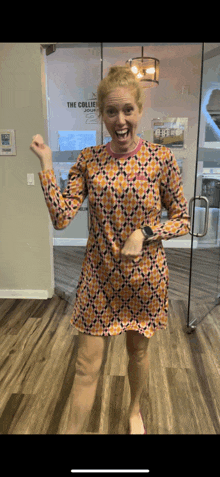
column 147, row 232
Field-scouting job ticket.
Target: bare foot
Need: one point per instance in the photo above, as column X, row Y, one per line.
column 136, row 425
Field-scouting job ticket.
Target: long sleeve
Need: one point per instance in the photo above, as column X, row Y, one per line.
column 172, row 198
column 64, row 207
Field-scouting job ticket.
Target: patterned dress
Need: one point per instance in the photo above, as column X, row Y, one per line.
column 125, row 192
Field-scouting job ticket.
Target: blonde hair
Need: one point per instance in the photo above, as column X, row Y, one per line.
column 119, row 76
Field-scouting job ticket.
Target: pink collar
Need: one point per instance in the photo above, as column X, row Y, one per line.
column 124, row 154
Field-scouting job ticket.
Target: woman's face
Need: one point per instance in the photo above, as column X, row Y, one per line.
column 121, row 115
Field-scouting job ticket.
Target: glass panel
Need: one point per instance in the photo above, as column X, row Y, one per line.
column 205, row 262
column 73, row 74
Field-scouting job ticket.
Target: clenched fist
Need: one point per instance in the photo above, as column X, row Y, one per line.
column 41, row 150
column 133, row 245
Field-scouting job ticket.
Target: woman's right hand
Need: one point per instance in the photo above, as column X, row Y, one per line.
column 41, row 150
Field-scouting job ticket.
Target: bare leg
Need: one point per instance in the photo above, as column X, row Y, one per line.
column 88, row 365
column 138, row 368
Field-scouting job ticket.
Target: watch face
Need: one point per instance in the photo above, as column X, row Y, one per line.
column 149, row 231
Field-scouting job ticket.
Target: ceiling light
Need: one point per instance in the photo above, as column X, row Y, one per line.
column 146, row 69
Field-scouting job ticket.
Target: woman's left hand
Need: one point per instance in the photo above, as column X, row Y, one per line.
column 133, row 245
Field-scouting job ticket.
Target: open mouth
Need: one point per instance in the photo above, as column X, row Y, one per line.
column 122, row 134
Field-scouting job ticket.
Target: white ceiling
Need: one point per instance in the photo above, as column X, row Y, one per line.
column 162, row 51
column 159, row 50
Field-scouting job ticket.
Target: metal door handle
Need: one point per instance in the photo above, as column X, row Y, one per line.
column 200, row 197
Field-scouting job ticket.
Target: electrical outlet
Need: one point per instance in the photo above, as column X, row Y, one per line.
column 30, row 179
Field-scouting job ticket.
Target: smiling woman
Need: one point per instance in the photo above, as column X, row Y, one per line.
column 123, row 286
column 121, row 117
column 120, row 103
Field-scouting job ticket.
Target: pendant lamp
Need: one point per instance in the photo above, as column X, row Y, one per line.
column 146, row 70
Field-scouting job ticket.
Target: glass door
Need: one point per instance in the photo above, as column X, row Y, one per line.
column 204, row 207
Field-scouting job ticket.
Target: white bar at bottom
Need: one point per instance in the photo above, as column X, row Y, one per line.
column 109, row 471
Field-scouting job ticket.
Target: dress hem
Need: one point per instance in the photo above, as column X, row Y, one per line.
column 148, row 335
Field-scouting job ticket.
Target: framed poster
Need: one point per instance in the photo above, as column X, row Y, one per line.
column 170, row 132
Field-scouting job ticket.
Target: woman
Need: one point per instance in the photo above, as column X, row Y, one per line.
column 123, row 285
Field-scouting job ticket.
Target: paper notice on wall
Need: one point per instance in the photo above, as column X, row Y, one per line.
column 76, row 140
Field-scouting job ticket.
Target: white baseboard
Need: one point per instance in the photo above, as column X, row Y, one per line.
column 176, row 243
column 27, row 294
column 72, row 242
column 173, row 243
column 83, row 242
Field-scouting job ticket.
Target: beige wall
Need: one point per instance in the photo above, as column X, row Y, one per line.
column 26, row 266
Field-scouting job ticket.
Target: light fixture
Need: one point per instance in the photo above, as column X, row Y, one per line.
column 146, row 69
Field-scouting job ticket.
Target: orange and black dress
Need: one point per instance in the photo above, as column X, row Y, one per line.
column 125, row 192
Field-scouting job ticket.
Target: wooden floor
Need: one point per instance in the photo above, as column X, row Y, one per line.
column 38, row 349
